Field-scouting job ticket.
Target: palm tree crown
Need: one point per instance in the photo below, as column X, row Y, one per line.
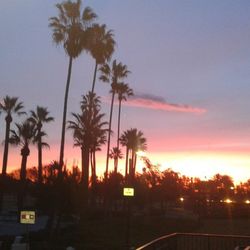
column 70, row 27
column 101, row 46
column 134, row 141
column 40, row 116
column 115, row 154
column 102, row 43
column 114, row 74
column 124, row 91
column 9, row 106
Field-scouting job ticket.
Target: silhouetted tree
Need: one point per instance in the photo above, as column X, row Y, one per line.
column 170, row 185
column 9, row 106
column 134, row 141
column 98, row 141
column 87, row 127
column 101, row 46
column 70, row 30
column 123, row 92
column 38, row 118
column 113, row 75
column 115, row 154
column 23, row 136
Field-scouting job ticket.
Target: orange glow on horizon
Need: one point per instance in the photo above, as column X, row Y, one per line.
column 203, row 165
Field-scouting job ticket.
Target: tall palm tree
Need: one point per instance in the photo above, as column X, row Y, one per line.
column 113, row 75
column 134, row 141
column 116, row 154
column 23, row 136
column 70, row 29
column 9, row 106
column 123, row 92
column 87, row 127
column 101, row 46
column 38, row 118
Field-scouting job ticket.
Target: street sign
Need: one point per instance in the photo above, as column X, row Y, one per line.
column 27, row 217
column 128, row 191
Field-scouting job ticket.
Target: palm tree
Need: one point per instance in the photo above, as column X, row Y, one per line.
column 98, row 141
column 123, row 92
column 38, row 118
column 9, row 106
column 113, row 75
column 70, row 29
column 134, row 141
column 101, row 46
column 87, row 127
column 23, row 136
column 116, row 154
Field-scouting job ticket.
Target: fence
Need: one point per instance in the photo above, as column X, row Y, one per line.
column 190, row 241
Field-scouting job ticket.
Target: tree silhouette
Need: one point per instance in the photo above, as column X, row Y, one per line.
column 101, row 46
column 115, row 154
column 123, row 92
column 38, row 118
column 87, row 127
column 99, row 140
column 70, row 30
column 9, row 106
column 113, row 75
column 23, row 136
column 134, row 141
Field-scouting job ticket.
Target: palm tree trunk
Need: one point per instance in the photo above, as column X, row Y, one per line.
column 134, row 164
column 91, row 156
column 118, row 134
column 126, row 163
column 86, row 170
column 6, row 144
column 94, row 168
column 119, row 122
column 64, row 116
column 40, row 166
column 82, row 156
column 109, row 134
column 91, row 161
column 21, row 192
column 94, row 78
column 116, row 164
column 25, row 153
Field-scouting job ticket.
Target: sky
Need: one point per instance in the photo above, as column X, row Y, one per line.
column 189, row 63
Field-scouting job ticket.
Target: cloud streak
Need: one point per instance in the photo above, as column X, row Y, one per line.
column 149, row 101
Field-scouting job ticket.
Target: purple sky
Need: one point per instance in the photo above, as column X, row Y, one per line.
column 190, row 64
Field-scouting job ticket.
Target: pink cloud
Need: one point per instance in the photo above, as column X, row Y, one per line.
column 158, row 103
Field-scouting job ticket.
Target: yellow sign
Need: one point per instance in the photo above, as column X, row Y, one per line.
column 128, row 192
column 27, row 217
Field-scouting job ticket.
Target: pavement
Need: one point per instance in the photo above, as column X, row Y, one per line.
column 10, row 225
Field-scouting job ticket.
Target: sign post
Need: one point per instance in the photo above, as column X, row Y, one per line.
column 27, row 217
column 128, row 192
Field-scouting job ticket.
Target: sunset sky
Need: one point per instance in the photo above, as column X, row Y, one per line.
column 190, row 71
